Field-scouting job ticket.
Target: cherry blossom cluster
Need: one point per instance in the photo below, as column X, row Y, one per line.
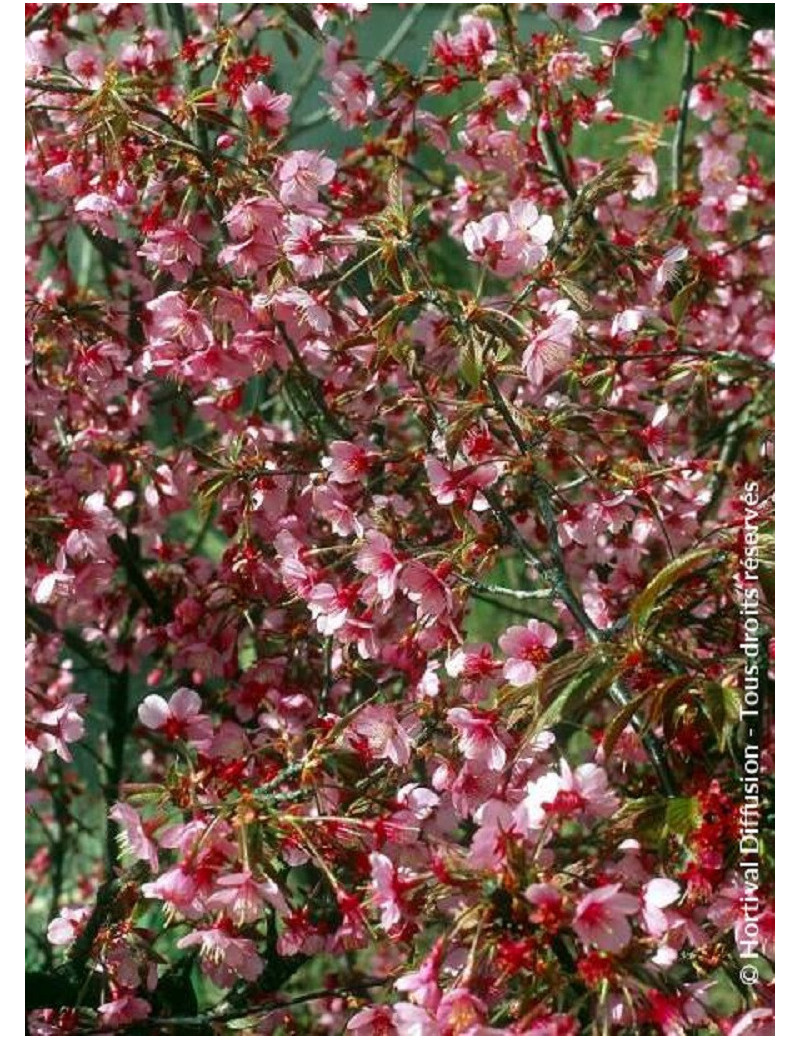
column 384, row 510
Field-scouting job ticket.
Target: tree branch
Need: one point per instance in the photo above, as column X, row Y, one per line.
column 679, row 140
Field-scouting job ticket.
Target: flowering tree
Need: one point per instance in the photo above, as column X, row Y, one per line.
column 390, row 510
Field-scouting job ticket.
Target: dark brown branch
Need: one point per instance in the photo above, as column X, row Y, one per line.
column 227, row 1014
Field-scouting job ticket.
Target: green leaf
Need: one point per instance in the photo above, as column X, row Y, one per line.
column 209, row 461
column 576, row 293
column 681, row 300
column 470, row 364
column 722, row 705
column 617, row 726
column 177, row 15
column 292, row 46
column 495, row 325
column 394, row 192
column 641, row 817
column 80, row 256
column 597, row 676
column 682, row 816
column 526, row 700
column 684, row 566
column 664, row 702
column 303, row 19
column 209, row 491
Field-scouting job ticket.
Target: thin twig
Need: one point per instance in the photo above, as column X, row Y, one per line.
column 501, row 590
column 132, row 566
column 227, row 1014
column 311, row 383
column 406, row 26
column 397, row 37
column 555, row 571
column 679, row 140
column 43, row 623
column 118, row 696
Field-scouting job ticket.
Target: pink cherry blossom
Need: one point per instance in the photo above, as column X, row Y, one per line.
column 330, row 607
column 348, row 462
column 352, row 95
column 601, row 918
column 243, row 898
column 65, row 928
column 377, row 729
column 478, row 739
column 461, row 484
column 510, row 95
column 510, row 242
column 372, row 1021
column 424, row 588
column 548, row 903
column 655, row 433
column 669, row 267
column 461, row 1012
column 301, row 174
column 476, row 667
column 86, row 65
column 377, row 559
column 567, row 65
column 124, row 1011
column 303, row 245
column 550, row 349
column 646, row 184
column 225, row 957
column 474, row 43
column 527, row 648
column 173, row 249
column 422, row 985
column 581, row 793
column 658, row 894
column 134, row 834
column 388, row 886
column 177, row 888
column 61, row 726
column 179, row 717
column 267, row 109
column 585, row 16
column 62, row 180
column 99, row 212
